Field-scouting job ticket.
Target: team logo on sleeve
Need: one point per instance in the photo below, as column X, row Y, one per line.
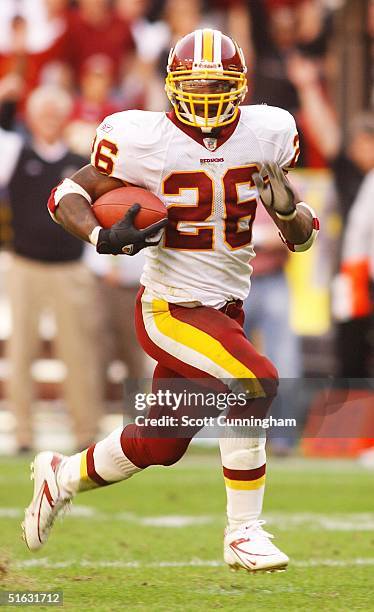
column 106, row 127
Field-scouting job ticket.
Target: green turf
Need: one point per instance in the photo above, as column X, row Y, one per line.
column 339, row 491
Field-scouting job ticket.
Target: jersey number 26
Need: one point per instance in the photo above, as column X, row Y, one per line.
column 238, row 215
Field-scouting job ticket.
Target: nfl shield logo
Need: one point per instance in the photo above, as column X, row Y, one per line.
column 210, row 143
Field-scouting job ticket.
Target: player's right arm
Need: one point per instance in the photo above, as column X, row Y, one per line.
column 70, row 205
column 73, row 210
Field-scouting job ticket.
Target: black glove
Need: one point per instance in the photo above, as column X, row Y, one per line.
column 276, row 193
column 123, row 237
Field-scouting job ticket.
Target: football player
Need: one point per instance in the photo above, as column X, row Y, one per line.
column 211, row 162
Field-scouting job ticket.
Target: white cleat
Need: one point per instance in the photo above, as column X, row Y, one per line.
column 47, row 501
column 250, row 548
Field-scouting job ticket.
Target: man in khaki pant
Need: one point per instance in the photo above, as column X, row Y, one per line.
column 47, row 272
column 117, row 285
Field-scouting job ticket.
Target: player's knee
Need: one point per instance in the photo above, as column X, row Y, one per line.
column 144, row 451
column 165, row 451
column 269, row 378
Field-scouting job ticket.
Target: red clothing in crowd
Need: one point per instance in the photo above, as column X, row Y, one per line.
column 112, row 37
column 91, row 112
column 224, row 4
column 275, row 4
column 29, row 65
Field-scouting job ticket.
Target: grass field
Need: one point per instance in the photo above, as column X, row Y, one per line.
column 154, row 543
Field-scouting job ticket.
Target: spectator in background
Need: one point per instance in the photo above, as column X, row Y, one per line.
column 142, row 87
column 267, row 325
column 95, row 28
column 279, row 29
column 117, row 285
column 349, row 162
column 233, row 18
column 149, row 36
column 11, row 90
column 94, row 102
column 353, row 296
column 182, row 16
column 31, row 38
column 46, row 269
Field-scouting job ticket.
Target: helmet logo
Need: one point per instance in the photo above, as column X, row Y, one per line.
column 205, row 65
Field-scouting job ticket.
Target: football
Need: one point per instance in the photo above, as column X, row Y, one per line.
column 113, row 205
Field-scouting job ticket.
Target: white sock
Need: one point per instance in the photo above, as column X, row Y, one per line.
column 244, row 464
column 99, row 465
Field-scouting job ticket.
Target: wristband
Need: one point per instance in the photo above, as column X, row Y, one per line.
column 67, row 187
column 299, row 248
column 94, row 235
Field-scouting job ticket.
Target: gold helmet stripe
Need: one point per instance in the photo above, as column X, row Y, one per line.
column 208, row 45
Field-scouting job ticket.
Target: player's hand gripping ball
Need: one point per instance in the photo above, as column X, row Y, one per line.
column 132, row 219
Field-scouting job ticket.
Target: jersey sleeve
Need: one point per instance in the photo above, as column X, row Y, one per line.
column 289, row 150
column 276, row 131
column 112, row 149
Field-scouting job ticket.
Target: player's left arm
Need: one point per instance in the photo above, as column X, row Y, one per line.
column 296, row 221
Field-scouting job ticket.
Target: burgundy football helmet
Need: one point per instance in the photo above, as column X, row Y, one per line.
column 206, row 79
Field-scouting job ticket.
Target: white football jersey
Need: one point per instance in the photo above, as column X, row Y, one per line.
column 206, row 184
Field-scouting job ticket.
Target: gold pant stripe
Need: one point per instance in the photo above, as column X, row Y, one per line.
column 203, row 343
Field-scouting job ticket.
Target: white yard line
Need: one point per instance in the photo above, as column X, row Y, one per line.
column 284, row 521
column 107, row 564
column 310, row 521
column 175, row 521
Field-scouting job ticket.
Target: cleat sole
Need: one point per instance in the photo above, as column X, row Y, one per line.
column 24, row 535
column 271, row 570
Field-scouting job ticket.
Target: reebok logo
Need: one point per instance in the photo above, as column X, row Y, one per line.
column 211, row 160
column 106, row 127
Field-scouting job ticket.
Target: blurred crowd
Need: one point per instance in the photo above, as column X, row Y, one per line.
column 111, row 54
column 64, row 66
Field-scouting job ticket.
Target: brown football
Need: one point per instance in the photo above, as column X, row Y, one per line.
column 113, row 205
